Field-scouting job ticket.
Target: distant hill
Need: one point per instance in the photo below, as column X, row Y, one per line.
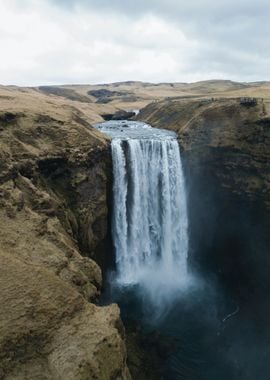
column 130, row 95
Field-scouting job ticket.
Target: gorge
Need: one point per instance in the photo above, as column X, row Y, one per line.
column 56, row 210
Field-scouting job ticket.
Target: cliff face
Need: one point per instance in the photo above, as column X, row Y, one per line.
column 233, row 137
column 226, row 152
column 54, row 176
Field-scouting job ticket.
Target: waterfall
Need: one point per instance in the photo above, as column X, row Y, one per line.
column 149, row 221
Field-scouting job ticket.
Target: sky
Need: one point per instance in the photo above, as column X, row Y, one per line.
column 104, row 41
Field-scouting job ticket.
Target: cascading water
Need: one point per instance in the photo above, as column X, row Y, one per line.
column 150, row 223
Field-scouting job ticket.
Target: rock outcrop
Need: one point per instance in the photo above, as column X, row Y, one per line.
column 54, row 178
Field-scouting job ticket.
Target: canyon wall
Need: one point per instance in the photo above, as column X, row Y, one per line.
column 226, row 150
column 54, row 179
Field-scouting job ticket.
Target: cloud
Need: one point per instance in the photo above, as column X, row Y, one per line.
column 87, row 41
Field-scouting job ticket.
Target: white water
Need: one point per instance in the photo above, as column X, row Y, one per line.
column 150, row 223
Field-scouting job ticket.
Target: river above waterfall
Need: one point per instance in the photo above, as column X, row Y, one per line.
column 125, row 130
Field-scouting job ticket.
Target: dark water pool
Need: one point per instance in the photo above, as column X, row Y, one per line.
column 203, row 335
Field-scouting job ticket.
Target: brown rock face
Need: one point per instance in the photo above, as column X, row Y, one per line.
column 49, row 331
column 233, row 138
column 54, row 176
column 226, row 153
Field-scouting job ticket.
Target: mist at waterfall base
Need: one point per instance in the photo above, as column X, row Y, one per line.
column 206, row 334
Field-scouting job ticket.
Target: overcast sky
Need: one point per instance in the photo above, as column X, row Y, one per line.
column 97, row 41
